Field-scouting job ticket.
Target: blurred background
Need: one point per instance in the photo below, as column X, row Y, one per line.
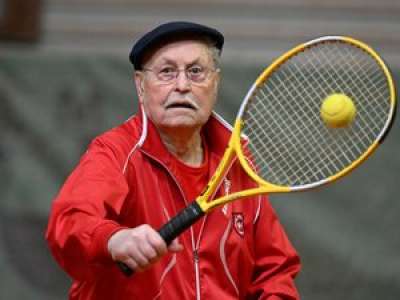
column 65, row 78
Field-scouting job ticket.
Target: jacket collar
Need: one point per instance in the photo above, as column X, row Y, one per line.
column 216, row 133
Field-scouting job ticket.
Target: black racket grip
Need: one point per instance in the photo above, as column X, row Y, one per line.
column 125, row 269
column 182, row 221
column 173, row 228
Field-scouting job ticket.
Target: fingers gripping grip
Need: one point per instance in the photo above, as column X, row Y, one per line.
column 173, row 228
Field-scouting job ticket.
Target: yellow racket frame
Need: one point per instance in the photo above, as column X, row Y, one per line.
column 235, row 143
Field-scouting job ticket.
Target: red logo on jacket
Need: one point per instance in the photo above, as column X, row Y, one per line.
column 238, row 223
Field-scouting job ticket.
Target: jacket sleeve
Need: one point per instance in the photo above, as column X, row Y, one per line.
column 277, row 262
column 83, row 215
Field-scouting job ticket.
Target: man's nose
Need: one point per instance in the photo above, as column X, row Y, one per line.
column 182, row 81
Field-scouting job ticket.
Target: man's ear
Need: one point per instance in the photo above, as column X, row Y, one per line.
column 139, row 83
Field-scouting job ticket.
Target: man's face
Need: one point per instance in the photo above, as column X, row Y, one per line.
column 178, row 103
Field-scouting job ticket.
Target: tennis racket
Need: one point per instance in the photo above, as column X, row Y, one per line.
column 279, row 130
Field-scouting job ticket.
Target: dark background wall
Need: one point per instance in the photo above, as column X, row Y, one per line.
column 70, row 80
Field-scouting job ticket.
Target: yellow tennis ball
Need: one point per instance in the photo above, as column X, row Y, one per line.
column 337, row 111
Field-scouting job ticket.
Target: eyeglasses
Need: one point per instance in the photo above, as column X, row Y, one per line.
column 168, row 74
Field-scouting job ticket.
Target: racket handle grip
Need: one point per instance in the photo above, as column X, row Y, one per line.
column 182, row 221
column 125, row 269
column 173, row 228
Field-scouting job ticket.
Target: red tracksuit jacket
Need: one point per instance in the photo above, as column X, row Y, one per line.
column 124, row 180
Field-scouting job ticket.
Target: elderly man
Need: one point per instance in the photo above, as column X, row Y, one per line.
column 136, row 176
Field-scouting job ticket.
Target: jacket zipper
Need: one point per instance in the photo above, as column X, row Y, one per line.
column 197, row 272
column 195, row 249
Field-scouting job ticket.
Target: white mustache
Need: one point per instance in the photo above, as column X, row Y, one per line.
column 188, row 100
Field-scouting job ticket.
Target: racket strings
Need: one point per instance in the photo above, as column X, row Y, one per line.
column 289, row 168
column 288, row 140
column 374, row 79
column 353, row 84
column 300, row 126
column 308, row 116
column 337, row 80
column 312, row 118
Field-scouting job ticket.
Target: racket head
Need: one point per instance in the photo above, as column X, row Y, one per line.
column 288, row 142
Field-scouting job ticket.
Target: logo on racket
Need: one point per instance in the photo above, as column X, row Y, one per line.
column 227, row 190
column 227, row 186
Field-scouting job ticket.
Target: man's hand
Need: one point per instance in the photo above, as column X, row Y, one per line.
column 139, row 247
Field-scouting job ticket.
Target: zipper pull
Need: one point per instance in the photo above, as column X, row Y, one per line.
column 195, row 255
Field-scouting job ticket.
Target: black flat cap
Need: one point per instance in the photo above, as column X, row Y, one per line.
column 170, row 30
